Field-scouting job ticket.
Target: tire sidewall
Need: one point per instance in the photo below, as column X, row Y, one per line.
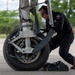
column 16, row 64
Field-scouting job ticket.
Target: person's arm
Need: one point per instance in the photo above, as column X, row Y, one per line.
column 58, row 21
column 48, row 27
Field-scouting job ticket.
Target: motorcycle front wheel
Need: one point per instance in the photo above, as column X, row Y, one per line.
column 24, row 62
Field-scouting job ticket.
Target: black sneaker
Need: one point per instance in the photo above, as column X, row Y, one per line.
column 50, row 67
column 45, row 67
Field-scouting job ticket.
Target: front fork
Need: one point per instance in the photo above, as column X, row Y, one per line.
column 26, row 32
column 25, row 27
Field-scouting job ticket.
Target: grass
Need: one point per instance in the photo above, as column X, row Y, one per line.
column 2, row 35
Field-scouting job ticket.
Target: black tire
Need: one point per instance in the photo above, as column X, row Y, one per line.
column 14, row 63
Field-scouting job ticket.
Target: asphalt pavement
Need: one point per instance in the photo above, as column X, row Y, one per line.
column 54, row 56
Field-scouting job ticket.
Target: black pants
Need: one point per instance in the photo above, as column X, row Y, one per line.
column 64, row 45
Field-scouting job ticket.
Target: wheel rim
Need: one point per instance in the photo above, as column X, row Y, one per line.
column 26, row 58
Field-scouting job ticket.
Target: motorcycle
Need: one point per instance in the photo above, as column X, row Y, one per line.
column 26, row 48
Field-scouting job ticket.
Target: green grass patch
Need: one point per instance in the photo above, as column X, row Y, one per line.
column 2, row 35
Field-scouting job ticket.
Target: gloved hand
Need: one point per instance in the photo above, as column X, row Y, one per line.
column 45, row 30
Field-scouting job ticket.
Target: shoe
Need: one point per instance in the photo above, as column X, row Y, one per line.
column 56, row 66
column 50, row 67
column 45, row 67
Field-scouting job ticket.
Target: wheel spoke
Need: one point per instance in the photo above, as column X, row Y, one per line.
column 26, row 58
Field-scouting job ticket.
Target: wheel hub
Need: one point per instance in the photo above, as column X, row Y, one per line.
column 27, row 56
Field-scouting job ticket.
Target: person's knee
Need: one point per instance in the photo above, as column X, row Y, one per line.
column 62, row 54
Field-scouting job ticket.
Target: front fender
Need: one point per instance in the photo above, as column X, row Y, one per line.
column 44, row 42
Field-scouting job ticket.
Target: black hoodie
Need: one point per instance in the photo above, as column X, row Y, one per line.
column 61, row 24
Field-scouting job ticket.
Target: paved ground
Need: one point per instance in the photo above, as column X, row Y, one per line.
column 6, row 70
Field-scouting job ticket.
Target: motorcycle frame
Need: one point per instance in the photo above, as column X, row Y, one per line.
column 26, row 32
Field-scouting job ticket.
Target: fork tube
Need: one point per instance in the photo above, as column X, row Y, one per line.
column 27, row 42
column 50, row 13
